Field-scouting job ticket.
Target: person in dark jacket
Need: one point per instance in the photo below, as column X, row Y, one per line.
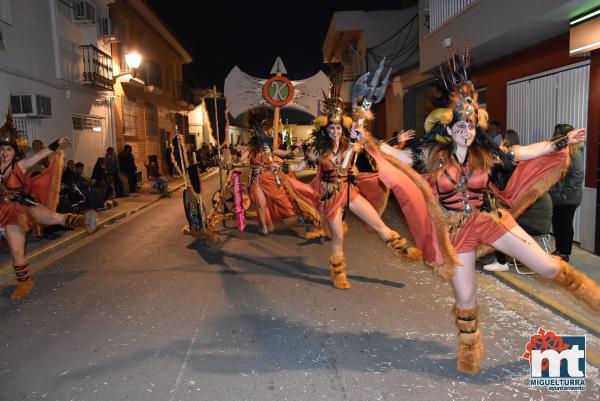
column 128, row 167
column 100, row 179
column 111, row 165
column 566, row 197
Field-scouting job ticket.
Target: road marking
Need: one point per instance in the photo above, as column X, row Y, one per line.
column 189, row 352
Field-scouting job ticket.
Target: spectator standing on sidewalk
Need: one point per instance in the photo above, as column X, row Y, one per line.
column 500, row 176
column 101, row 181
column 111, row 165
column 128, row 167
column 494, row 133
column 566, row 197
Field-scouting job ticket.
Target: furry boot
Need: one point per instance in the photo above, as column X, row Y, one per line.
column 337, row 264
column 24, row 283
column 470, row 347
column 88, row 221
column 399, row 245
column 581, row 286
column 315, row 233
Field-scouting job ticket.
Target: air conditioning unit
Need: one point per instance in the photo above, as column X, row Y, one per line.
column 36, row 106
column 84, row 13
column 107, row 32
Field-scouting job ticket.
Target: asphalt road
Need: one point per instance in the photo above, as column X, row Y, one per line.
column 141, row 312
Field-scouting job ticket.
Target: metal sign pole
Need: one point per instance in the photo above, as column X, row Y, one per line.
column 218, row 137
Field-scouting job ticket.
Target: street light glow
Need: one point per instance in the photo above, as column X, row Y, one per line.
column 133, row 59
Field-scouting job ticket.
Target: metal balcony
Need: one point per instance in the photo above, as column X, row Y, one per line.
column 97, row 68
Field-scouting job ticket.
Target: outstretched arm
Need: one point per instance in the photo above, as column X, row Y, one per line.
column 29, row 162
column 528, row 152
column 405, row 156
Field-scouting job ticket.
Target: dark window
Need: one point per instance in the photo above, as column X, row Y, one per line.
column 151, row 119
column 84, row 123
column 152, row 74
column 21, row 104
column 44, row 107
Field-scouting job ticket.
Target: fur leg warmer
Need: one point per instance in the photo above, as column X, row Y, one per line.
column 470, row 347
column 24, row 283
column 88, row 221
column 337, row 264
column 399, row 245
column 581, row 286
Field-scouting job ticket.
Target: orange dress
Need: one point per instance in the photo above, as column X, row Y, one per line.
column 333, row 187
column 44, row 188
column 473, row 200
column 279, row 203
column 441, row 232
column 14, row 184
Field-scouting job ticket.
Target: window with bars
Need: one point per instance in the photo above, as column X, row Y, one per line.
column 86, row 123
column 151, row 120
column 129, row 118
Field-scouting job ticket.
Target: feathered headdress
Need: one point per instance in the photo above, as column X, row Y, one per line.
column 333, row 111
column 261, row 122
column 9, row 135
column 454, row 96
column 259, row 119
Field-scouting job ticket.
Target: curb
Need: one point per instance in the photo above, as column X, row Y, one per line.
column 548, row 301
column 488, row 284
column 6, row 270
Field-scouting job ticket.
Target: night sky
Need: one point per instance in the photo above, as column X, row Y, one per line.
column 223, row 34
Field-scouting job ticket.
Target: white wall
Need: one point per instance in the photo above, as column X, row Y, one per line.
column 496, row 28
column 42, row 56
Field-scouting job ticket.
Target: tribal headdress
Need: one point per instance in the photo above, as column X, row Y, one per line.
column 261, row 122
column 9, row 135
column 333, row 111
column 454, row 97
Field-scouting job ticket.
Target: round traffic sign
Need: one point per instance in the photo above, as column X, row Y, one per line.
column 278, row 91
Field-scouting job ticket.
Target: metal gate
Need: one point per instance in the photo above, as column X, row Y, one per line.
column 535, row 104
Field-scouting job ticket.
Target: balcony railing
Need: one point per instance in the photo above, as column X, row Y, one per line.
column 97, row 68
column 441, row 11
column 184, row 95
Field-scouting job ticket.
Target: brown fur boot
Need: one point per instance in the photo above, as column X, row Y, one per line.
column 581, row 286
column 337, row 264
column 24, row 283
column 399, row 245
column 87, row 221
column 470, row 347
column 315, row 233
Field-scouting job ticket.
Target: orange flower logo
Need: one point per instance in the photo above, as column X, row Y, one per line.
column 544, row 340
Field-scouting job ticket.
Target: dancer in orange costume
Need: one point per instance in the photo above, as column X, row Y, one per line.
column 335, row 192
column 456, row 208
column 270, row 191
column 25, row 201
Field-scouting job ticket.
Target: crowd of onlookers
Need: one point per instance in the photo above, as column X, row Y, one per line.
column 208, row 155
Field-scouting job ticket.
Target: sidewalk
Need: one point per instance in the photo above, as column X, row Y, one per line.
column 126, row 206
column 553, row 296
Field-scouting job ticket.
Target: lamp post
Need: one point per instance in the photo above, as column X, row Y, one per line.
column 133, row 61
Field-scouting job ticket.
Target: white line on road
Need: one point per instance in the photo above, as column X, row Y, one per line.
column 189, row 352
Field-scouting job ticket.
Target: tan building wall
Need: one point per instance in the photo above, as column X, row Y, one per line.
column 139, row 30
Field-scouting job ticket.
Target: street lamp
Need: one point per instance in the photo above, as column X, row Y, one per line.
column 133, row 61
